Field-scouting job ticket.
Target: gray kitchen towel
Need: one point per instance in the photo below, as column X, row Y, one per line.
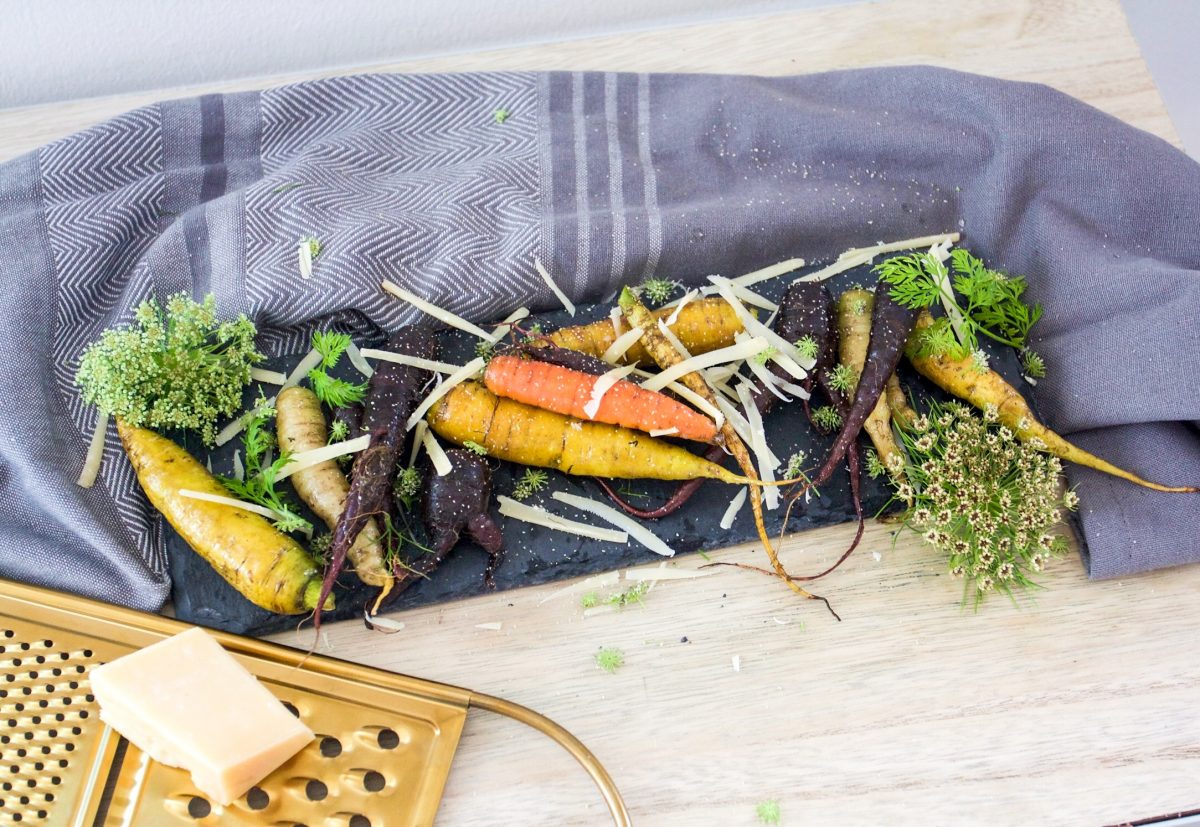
column 452, row 184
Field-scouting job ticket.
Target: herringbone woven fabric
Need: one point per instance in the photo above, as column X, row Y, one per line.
column 608, row 178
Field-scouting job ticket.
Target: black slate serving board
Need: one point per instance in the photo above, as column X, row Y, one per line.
column 534, row 554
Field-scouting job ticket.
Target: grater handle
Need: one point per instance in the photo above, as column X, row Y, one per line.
column 591, row 765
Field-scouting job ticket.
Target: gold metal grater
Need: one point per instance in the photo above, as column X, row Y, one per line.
column 381, row 757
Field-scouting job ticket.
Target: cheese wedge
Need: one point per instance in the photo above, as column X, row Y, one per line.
column 188, row 703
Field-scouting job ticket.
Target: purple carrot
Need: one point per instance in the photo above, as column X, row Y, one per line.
column 393, row 392
column 891, row 324
column 452, row 503
column 564, row 357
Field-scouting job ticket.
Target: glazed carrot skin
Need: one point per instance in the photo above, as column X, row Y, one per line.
column 962, row 378
column 526, row 435
column 569, row 392
column 703, row 325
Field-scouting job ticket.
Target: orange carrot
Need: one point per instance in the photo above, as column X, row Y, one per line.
column 569, row 392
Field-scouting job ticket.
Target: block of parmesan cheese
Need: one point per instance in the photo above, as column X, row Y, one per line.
column 188, row 703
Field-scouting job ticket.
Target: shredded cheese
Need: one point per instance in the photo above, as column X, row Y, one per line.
column 411, row 361
column 540, row 516
column 594, row 582
column 750, row 297
column 268, row 377
column 554, row 288
column 356, row 358
column 771, row 272
column 724, row 355
column 418, row 442
column 621, row 345
column 457, row 378
column 304, row 255
column 687, row 297
column 95, row 452
column 261, row 510
column 670, row 336
column 615, row 315
column 767, row 462
column 664, row 431
column 381, row 624
column 736, row 421
column 310, row 361
column 858, row 256
column 239, row 470
column 501, row 330
column 636, row 530
column 735, row 505
column 603, row 384
column 441, row 463
column 718, row 416
column 433, row 310
column 756, row 328
column 906, row 244
column 307, row 459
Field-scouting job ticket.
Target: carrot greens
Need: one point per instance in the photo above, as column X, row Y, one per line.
column 258, row 485
column 981, row 301
column 335, row 393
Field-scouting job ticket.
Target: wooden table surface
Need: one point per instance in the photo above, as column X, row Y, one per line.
column 1077, row 707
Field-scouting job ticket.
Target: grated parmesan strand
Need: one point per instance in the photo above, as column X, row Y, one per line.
column 457, row 378
column 540, row 516
column 437, row 456
column 433, row 310
column 735, row 505
column 767, row 462
column 267, row 377
column 610, row 515
column 356, row 358
column 771, row 272
column 687, row 297
column 603, row 384
column 724, row 355
column 204, row 496
column 554, row 288
column 621, row 345
column 95, row 452
column 411, row 361
column 664, row 431
column 307, row 459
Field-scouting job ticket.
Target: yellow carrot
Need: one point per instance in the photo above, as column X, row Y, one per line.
column 269, row 568
column 987, row 389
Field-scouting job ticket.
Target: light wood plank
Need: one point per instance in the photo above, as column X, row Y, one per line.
column 1077, row 708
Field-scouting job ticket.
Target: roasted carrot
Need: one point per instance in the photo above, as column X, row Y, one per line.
column 571, row 392
column 665, row 356
column 890, row 325
column 987, row 389
column 270, row 569
column 854, row 334
column 902, row 412
column 300, row 425
column 702, row 325
column 526, row 435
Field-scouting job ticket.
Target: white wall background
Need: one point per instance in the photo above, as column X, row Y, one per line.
column 63, row 49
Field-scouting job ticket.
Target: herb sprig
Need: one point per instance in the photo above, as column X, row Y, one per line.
column 988, row 302
column 258, row 485
column 335, row 393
